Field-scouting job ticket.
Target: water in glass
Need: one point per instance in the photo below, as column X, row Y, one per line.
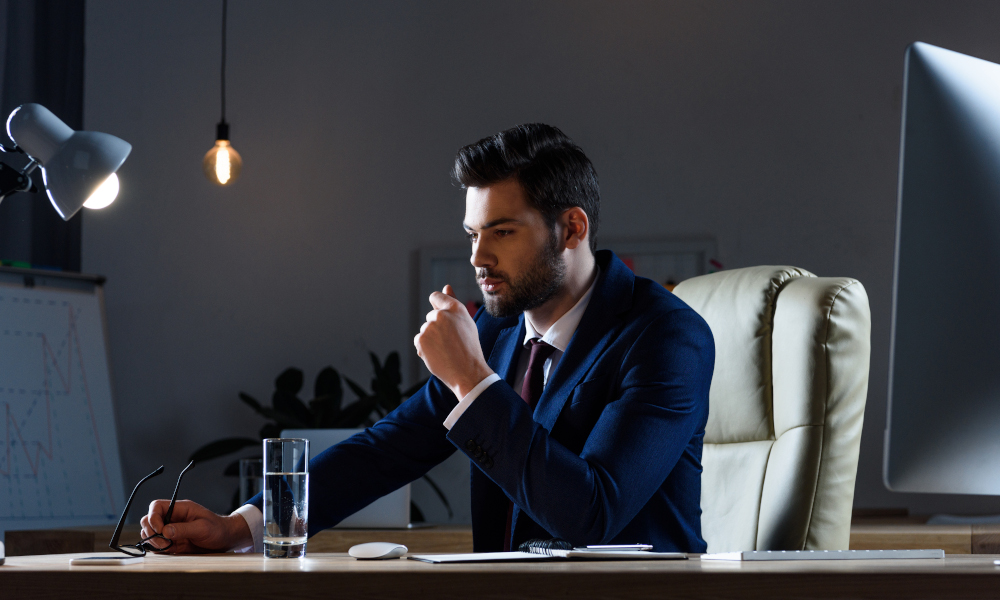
column 286, row 514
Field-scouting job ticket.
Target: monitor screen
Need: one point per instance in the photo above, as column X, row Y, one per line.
column 943, row 425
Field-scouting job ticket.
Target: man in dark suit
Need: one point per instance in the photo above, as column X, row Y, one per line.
column 579, row 391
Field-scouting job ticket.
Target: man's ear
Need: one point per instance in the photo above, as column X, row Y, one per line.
column 576, row 227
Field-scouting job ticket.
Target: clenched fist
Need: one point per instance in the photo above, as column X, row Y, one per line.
column 448, row 343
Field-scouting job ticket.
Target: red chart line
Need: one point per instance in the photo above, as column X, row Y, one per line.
column 90, row 407
column 40, row 449
column 48, row 355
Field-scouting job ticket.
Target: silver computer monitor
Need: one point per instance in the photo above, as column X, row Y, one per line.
column 943, row 426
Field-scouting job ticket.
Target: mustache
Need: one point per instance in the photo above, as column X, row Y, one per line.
column 486, row 273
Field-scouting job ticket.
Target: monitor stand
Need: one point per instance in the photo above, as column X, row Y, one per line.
column 963, row 519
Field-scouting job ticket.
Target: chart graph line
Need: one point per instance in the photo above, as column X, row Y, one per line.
column 50, row 363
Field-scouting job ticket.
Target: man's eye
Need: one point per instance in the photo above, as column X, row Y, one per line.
column 471, row 236
column 503, row 232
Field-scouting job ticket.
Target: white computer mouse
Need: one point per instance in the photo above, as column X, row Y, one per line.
column 377, row 550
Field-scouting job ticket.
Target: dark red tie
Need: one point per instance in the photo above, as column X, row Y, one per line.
column 531, row 391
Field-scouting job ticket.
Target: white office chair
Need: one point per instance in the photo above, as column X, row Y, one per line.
column 785, row 409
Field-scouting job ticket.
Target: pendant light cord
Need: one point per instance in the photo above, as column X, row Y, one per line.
column 223, row 86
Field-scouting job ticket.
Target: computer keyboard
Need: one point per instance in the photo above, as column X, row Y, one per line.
column 823, row 554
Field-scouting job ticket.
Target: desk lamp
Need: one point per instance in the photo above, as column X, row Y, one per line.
column 78, row 167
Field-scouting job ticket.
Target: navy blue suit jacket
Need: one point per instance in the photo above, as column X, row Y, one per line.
column 612, row 453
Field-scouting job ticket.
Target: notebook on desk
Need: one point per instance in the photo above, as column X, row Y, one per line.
column 552, row 555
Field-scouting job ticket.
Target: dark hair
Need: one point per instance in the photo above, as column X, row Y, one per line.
column 553, row 171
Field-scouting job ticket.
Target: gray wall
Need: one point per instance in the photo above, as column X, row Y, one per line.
column 772, row 126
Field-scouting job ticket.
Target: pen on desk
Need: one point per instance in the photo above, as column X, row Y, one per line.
column 618, row 547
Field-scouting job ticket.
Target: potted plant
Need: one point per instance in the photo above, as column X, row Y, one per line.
column 324, row 411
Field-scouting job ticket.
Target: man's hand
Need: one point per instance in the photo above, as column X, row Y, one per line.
column 449, row 344
column 195, row 529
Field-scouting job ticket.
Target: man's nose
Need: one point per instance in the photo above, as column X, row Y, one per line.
column 481, row 257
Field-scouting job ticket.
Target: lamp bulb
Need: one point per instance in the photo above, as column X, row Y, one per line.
column 222, row 163
column 105, row 193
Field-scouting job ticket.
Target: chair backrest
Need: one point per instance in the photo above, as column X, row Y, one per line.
column 785, row 409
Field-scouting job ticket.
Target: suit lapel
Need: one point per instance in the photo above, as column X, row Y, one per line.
column 599, row 325
column 505, row 351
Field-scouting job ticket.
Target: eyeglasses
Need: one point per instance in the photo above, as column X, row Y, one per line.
column 144, row 544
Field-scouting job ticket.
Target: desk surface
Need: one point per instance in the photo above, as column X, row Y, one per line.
column 869, row 534
column 331, row 576
column 426, row 540
column 953, row 539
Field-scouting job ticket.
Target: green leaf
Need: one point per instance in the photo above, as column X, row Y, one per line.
column 251, row 401
column 289, row 404
column 328, row 384
column 329, row 397
column 283, row 420
column 323, row 409
column 390, row 401
column 270, row 430
column 281, row 417
column 355, row 414
column 386, row 383
column 289, row 381
column 376, row 366
column 357, row 389
column 390, row 372
column 221, row 448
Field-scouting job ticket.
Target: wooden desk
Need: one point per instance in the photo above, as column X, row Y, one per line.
column 436, row 538
column 912, row 532
column 330, row 576
column 953, row 539
column 874, row 535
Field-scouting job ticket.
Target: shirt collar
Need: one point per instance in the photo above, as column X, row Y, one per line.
column 561, row 332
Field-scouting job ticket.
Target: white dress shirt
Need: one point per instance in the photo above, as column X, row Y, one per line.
column 558, row 336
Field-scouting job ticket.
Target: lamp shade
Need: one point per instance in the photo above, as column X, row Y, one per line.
column 74, row 163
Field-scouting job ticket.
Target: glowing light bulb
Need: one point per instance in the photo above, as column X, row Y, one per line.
column 105, row 193
column 222, row 163
column 223, row 168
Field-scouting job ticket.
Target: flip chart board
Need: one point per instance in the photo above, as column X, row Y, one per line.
column 59, row 462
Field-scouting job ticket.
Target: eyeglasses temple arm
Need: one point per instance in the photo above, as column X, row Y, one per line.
column 173, row 499
column 118, row 530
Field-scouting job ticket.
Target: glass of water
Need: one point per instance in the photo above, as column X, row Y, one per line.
column 286, row 497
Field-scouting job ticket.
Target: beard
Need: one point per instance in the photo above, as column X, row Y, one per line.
column 539, row 282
